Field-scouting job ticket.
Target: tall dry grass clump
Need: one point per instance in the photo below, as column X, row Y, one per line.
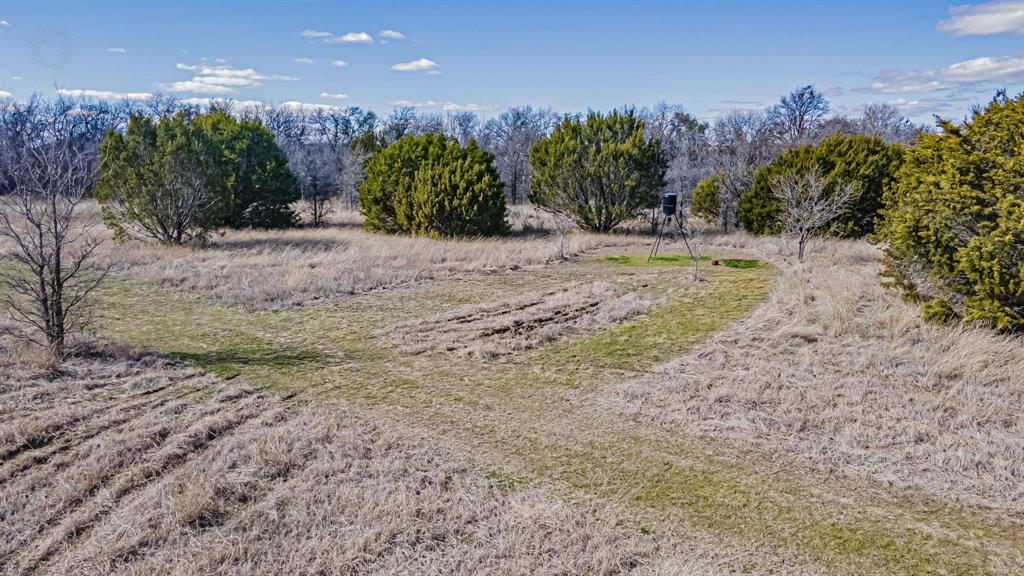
column 837, row 372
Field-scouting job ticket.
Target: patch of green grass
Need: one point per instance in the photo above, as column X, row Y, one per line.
column 678, row 261
column 740, row 263
column 656, row 260
column 687, row 317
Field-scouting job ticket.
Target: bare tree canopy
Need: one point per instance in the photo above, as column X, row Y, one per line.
column 509, row 137
column 886, row 122
column 797, row 117
column 741, row 144
column 462, row 126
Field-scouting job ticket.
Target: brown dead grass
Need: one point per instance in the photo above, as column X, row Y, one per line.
column 836, row 372
column 522, row 323
column 261, row 269
column 127, row 464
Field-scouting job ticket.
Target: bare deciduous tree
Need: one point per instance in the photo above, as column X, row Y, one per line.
column 741, row 145
column 886, row 122
column 809, row 205
column 509, row 137
column 795, row 119
column 319, row 171
column 461, row 125
column 684, row 143
column 46, row 289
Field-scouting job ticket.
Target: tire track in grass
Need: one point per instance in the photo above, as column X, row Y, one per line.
column 88, row 427
column 175, row 449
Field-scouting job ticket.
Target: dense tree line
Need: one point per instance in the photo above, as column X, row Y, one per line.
column 327, row 148
column 173, row 172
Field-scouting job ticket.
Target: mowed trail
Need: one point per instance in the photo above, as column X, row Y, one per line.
column 530, row 419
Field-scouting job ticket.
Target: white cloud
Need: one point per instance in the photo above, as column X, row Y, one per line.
column 104, row 94
column 453, row 107
column 339, row 63
column 923, row 105
column 308, row 106
column 446, row 106
column 895, row 81
column 5, row 24
column 351, row 38
column 4, row 94
column 220, row 79
column 404, row 103
column 303, row 60
column 117, row 50
column 315, row 34
column 986, row 68
column 334, row 96
column 393, row 34
column 247, row 104
column 998, row 17
column 16, row 78
column 421, row 65
column 978, row 70
column 223, row 102
column 197, row 87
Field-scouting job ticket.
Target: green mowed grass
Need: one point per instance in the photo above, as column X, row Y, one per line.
column 677, row 260
column 522, row 418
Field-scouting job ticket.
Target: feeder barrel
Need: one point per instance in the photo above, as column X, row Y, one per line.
column 668, row 203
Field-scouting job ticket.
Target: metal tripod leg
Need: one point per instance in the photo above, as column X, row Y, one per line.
column 657, row 242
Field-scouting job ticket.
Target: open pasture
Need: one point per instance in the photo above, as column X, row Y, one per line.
column 651, row 422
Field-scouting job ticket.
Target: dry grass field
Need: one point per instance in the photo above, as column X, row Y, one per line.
column 132, row 464
column 263, row 270
column 335, row 402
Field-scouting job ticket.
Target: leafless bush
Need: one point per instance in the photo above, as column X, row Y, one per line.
column 809, row 205
column 51, row 173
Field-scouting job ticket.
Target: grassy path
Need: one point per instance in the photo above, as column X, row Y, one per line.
column 527, row 418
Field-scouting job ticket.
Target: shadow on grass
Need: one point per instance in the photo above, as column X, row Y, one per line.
column 275, row 242
column 230, row 363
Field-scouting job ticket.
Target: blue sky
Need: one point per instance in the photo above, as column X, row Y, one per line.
column 927, row 57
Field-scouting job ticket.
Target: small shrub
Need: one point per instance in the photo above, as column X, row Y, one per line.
column 707, row 202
